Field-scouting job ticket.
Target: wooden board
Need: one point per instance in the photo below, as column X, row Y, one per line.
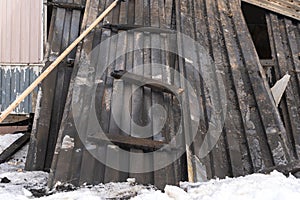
column 283, row 7
column 64, row 29
column 284, row 35
column 242, row 148
column 253, row 137
column 14, row 147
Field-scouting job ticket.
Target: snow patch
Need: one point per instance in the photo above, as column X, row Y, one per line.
column 68, row 142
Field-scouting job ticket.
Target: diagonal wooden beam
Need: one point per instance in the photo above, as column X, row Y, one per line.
column 56, row 62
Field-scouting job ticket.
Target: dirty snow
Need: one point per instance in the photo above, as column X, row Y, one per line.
column 29, row 185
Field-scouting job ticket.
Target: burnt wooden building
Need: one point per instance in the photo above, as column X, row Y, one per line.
column 249, row 49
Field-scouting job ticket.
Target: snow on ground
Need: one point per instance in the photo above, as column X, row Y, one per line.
column 257, row 186
column 29, row 185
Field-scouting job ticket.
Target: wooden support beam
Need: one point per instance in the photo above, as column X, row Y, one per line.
column 138, row 28
column 127, row 141
column 71, row 6
column 147, row 82
column 267, row 62
column 16, row 126
column 12, row 129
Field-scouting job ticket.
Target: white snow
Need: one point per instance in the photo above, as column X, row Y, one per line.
column 274, row 186
column 68, row 142
column 151, row 195
column 257, row 186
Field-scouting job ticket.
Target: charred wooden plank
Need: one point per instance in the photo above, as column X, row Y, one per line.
column 202, row 30
column 147, row 82
column 283, row 34
column 138, row 109
column 17, row 126
column 36, row 158
column 12, row 129
column 15, row 118
column 87, row 56
column 220, row 157
column 160, row 175
column 66, row 5
column 139, row 28
column 112, row 174
column 271, row 121
column 127, row 95
column 127, row 141
column 72, row 158
column 292, row 167
column 168, row 131
column 287, row 8
column 239, row 114
column 184, row 26
column 267, row 62
column 64, row 28
column 14, row 147
column 24, row 122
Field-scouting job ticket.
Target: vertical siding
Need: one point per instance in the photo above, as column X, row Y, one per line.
column 253, row 138
column 284, row 34
column 21, row 32
column 14, row 80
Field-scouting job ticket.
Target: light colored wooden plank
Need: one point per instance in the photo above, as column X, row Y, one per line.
column 279, row 88
column 287, row 3
column 278, row 6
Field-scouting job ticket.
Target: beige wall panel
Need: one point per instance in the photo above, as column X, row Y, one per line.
column 21, row 31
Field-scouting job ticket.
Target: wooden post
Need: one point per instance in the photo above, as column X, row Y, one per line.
column 56, row 62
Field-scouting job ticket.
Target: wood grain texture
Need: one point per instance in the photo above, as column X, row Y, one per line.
column 286, row 8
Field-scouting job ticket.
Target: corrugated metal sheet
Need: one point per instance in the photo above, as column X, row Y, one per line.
column 21, row 31
column 14, row 80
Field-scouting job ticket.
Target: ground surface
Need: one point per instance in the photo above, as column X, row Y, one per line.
column 16, row 184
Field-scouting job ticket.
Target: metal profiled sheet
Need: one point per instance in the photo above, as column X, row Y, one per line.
column 21, row 31
column 14, row 80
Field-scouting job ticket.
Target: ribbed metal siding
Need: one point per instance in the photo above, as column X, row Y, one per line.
column 20, row 31
column 14, row 80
